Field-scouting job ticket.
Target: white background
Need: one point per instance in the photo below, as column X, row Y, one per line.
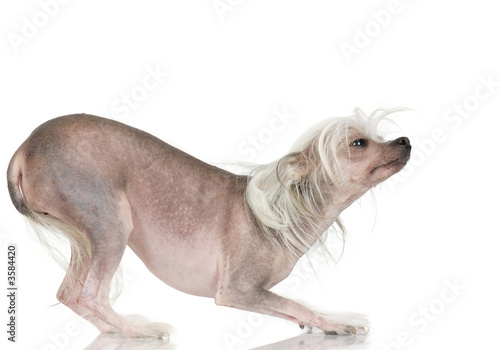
column 229, row 74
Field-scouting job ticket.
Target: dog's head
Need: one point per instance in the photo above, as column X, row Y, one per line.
column 348, row 153
column 330, row 167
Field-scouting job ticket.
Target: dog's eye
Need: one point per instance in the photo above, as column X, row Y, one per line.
column 359, row 143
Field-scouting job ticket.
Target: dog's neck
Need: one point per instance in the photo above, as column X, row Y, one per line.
column 341, row 199
column 335, row 201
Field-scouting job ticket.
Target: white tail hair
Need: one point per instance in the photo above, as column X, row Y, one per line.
column 285, row 197
column 54, row 235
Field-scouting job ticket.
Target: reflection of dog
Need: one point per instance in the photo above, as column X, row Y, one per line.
column 198, row 228
column 317, row 342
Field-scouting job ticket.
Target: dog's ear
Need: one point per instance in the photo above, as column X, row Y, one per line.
column 294, row 167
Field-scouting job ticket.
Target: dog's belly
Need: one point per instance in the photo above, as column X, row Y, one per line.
column 180, row 211
column 189, row 265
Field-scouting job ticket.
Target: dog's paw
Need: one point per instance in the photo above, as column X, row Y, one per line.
column 342, row 330
column 345, row 324
column 347, row 330
column 141, row 328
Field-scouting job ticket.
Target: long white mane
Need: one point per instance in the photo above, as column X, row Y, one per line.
column 285, row 196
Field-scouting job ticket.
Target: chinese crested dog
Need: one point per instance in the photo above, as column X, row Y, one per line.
column 200, row 229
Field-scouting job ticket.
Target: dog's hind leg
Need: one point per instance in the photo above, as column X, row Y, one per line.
column 71, row 289
column 107, row 227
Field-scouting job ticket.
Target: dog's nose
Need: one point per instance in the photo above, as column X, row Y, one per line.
column 402, row 141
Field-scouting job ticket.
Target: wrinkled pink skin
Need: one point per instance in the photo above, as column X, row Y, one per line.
column 185, row 219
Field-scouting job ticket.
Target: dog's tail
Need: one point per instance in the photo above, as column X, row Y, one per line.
column 48, row 229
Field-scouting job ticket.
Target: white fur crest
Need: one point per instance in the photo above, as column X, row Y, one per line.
column 285, row 196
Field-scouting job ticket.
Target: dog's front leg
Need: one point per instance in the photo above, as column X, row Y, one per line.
column 265, row 302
